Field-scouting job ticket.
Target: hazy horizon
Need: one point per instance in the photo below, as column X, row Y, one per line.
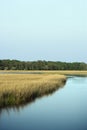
column 50, row 30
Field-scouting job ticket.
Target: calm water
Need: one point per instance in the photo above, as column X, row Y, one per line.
column 66, row 109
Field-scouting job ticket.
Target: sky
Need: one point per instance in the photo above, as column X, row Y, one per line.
column 52, row 30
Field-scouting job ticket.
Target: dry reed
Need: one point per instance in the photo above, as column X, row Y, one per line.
column 17, row 89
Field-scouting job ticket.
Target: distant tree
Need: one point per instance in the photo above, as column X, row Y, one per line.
column 41, row 65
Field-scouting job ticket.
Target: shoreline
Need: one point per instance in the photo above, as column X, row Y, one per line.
column 20, row 87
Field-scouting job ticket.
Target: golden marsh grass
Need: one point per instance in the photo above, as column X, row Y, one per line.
column 19, row 88
column 16, row 89
column 67, row 72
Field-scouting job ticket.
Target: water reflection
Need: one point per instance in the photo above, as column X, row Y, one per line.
column 78, row 80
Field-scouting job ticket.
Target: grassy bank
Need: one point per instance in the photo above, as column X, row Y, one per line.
column 67, row 72
column 17, row 89
column 63, row 72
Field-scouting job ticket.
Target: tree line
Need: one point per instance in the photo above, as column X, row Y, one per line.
column 41, row 65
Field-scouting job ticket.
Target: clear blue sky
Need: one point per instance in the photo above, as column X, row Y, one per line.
column 43, row 30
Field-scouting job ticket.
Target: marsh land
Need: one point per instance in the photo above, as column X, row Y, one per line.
column 64, row 109
column 18, row 87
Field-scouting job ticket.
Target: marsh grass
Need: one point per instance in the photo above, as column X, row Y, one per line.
column 67, row 72
column 17, row 89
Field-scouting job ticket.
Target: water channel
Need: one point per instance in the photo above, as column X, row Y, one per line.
column 65, row 109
